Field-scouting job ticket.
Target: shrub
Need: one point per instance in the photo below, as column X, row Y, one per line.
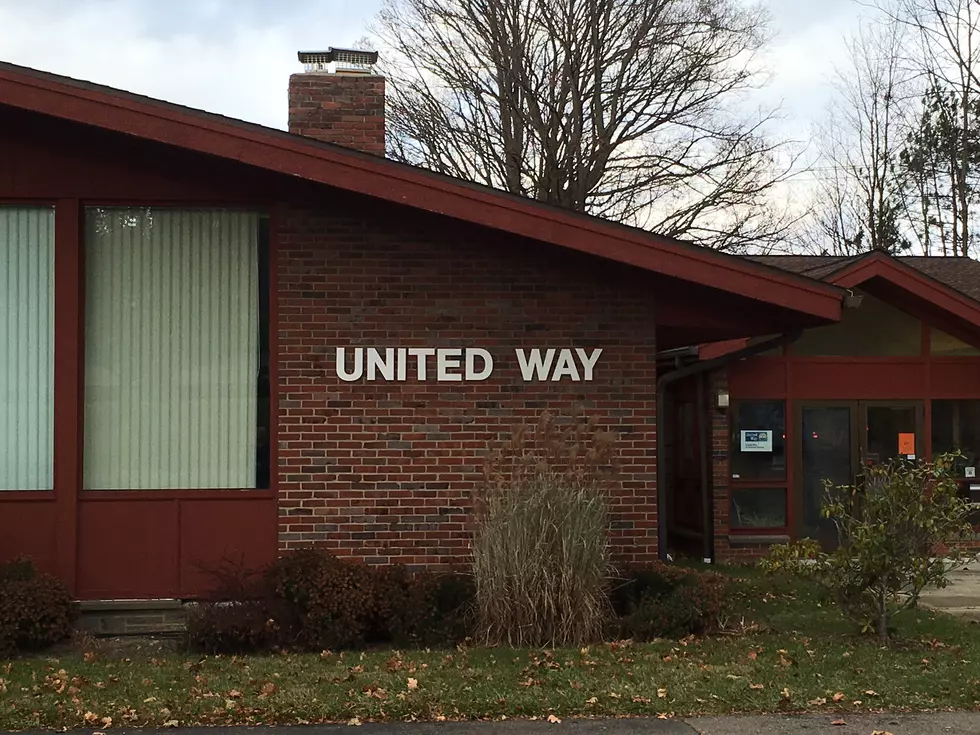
column 245, row 626
column 661, row 601
column 541, row 547
column 892, row 527
column 312, row 600
column 242, row 615
column 338, row 603
column 36, row 609
column 431, row 609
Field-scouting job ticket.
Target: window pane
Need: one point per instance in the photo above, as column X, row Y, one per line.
column 956, row 425
column 873, row 329
column 948, row 345
column 172, row 349
column 26, row 348
column 755, row 508
column 759, row 440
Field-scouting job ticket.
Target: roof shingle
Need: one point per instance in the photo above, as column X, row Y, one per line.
column 961, row 274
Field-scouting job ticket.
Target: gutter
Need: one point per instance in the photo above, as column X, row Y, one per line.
column 662, row 384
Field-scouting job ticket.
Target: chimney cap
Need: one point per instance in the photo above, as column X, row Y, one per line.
column 339, row 60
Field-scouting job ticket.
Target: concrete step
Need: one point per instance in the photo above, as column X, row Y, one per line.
column 133, row 617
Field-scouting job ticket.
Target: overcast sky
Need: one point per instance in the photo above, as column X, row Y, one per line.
column 234, row 56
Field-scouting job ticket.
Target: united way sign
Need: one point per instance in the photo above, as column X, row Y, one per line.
column 756, row 441
column 456, row 364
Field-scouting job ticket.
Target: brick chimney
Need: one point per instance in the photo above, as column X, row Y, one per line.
column 339, row 99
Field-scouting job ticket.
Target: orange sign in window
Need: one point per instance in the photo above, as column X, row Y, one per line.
column 906, row 444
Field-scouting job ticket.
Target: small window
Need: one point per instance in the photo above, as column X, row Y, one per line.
column 758, row 508
column 759, row 440
column 946, row 345
column 956, row 426
column 874, row 329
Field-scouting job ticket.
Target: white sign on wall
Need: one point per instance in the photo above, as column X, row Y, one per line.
column 449, row 364
column 756, row 441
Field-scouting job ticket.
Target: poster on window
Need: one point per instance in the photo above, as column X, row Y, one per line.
column 756, row 441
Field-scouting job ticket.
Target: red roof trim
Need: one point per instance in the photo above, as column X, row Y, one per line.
column 273, row 150
column 882, row 265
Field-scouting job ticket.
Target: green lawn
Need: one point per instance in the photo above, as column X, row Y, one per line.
column 791, row 655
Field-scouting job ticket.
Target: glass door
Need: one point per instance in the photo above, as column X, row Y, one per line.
column 836, row 439
column 828, row 451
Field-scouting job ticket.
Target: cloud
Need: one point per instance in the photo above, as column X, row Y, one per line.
column 218, row 55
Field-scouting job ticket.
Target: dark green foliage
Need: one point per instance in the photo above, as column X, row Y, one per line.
column 36, row 609
column 661, row 601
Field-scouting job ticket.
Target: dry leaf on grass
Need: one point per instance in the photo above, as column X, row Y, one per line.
column 413, row 683
column 554, row 720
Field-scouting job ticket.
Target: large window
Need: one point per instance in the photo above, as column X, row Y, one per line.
column 26, row 348
column 176, row 364
column 874, row 329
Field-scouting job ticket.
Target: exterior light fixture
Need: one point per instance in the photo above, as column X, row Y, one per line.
column 722, row 399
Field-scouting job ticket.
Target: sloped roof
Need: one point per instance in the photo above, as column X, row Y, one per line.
column 961, row 274
column 292, row 155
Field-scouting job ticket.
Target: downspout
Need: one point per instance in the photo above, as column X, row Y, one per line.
column 662, row 384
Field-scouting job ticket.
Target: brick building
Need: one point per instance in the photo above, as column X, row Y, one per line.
column 222, row 340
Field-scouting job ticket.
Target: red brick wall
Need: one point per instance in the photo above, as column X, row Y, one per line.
column 385, row 471
column 346, row 109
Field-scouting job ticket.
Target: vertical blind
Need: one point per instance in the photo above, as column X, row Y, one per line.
column 26, row 348
column 171, row 349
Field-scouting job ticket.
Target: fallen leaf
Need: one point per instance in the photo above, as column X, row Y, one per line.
column 871, row 693
column 753, row 655
column 554, row 720
column 413, row 683
column 268, row 689
column 880, row 732
column 591, row 700
column 661, row 693
column 234, row 694
column 757, row 686
column 819, row 701
column 171, row 723
column 91, row 717
column 857, row 702
column 838, row 723
column 839, row 697
column 89, row 657
column 354, row 722
column 641, row 700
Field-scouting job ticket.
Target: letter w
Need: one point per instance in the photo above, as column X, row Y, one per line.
column 534, row 364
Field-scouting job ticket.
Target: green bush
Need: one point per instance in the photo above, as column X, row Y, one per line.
column 899, row 530
column 661, row 601
column 541, row 546
column 36, row 609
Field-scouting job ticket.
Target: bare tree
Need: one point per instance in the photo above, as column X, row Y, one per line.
column 627, row 109
column 947, row 57
column 861, row 205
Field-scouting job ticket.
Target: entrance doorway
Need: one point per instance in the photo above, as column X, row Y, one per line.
column 836, row 439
